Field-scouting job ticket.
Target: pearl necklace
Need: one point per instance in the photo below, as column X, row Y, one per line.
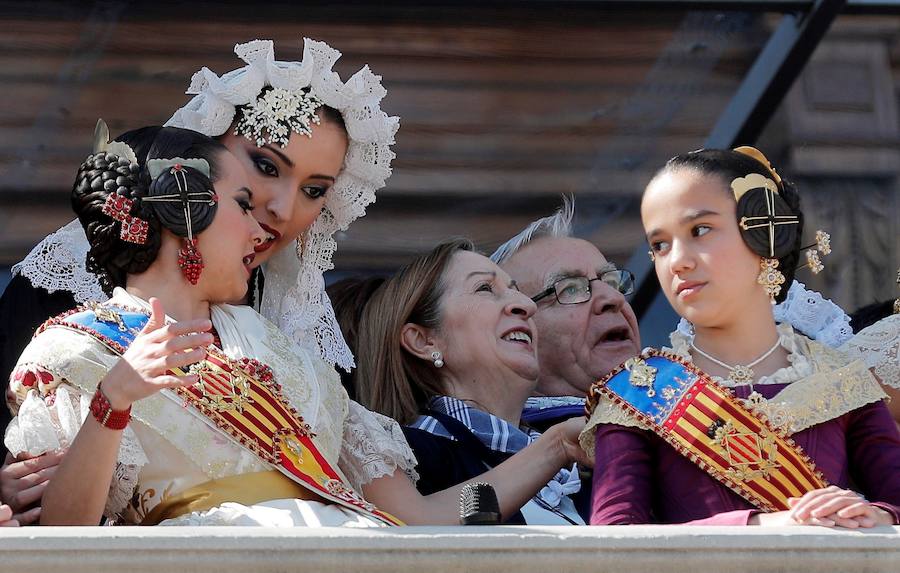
column 739, row 373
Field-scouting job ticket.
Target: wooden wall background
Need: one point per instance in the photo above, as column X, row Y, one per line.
column 502, row 110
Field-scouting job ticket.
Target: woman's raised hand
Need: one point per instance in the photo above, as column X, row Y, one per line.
column 567, row 434
column 159, row 347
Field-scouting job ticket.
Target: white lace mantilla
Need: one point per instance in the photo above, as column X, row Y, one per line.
column 878, row 346
column 300, row 307
column 808, row 312
column 57, row 263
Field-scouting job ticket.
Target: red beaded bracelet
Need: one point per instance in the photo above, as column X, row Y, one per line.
column 104, row 413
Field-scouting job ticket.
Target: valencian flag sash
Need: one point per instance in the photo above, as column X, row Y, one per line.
column 243, row 400
column 705, row 423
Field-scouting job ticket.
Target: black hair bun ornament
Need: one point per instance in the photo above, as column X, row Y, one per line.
column 768, row 225
column 181, row 195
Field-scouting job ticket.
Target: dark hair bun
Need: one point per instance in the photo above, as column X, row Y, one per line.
column 753, row 210
column 177, row 188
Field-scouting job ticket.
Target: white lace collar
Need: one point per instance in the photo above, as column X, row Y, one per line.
column 798, row 356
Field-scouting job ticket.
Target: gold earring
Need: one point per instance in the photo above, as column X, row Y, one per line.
column 813, row 261
column 770, row 278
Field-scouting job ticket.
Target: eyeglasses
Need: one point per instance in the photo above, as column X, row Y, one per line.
column 575, row 290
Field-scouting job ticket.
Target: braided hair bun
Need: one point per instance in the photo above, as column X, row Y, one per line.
column 109, row 257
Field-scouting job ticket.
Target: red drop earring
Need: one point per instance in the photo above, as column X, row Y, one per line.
column 190, row 260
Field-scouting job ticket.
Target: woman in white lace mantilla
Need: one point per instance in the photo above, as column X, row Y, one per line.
column 315, row 148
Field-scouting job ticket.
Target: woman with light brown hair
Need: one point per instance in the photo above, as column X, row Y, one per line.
column 448, row 348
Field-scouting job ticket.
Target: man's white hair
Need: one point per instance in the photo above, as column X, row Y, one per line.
column 558, row 224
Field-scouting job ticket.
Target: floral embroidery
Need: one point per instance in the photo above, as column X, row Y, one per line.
column 33, row 377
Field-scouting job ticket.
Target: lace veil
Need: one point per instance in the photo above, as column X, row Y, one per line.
column 809, row 312
column 295, row 297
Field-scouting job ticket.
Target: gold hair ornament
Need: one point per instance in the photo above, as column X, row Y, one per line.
column 823, row 246
column 770, row 278
column 758, row 155
column 741, row 185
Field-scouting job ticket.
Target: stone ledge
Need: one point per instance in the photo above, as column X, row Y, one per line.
column 454, row 549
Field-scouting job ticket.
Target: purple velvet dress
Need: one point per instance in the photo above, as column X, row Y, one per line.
column 638, row 478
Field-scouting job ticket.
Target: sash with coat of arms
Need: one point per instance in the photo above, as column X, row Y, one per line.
column 705, row 423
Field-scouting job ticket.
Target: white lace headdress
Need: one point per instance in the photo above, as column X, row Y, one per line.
column 294, row 297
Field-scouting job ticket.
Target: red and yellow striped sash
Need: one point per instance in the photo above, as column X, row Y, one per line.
column 243, row 400
column 705, row 423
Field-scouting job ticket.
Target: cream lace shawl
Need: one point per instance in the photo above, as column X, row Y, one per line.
column 168, row 448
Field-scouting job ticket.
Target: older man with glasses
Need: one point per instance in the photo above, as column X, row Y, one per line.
column 586, row 327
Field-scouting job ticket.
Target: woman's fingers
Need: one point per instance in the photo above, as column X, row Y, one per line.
column 179, row 359
column 16, row 469
column 833, row 503
column 23, row 482
column 184, row 342
column 157, row 316
column 861, row 507
column 26, row 497
column 176, row 381
column 810, row 500
column 819, row 521
column 848, row 523
column 29, row 517
column 37, row 477
column 181, row 328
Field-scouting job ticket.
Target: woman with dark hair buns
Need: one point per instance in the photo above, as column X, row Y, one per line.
column 315, row 148
column 742, row 420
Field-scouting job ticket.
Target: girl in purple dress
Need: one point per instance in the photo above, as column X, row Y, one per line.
column 726, row 234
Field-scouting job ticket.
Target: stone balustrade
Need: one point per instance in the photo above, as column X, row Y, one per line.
column 658, row 549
